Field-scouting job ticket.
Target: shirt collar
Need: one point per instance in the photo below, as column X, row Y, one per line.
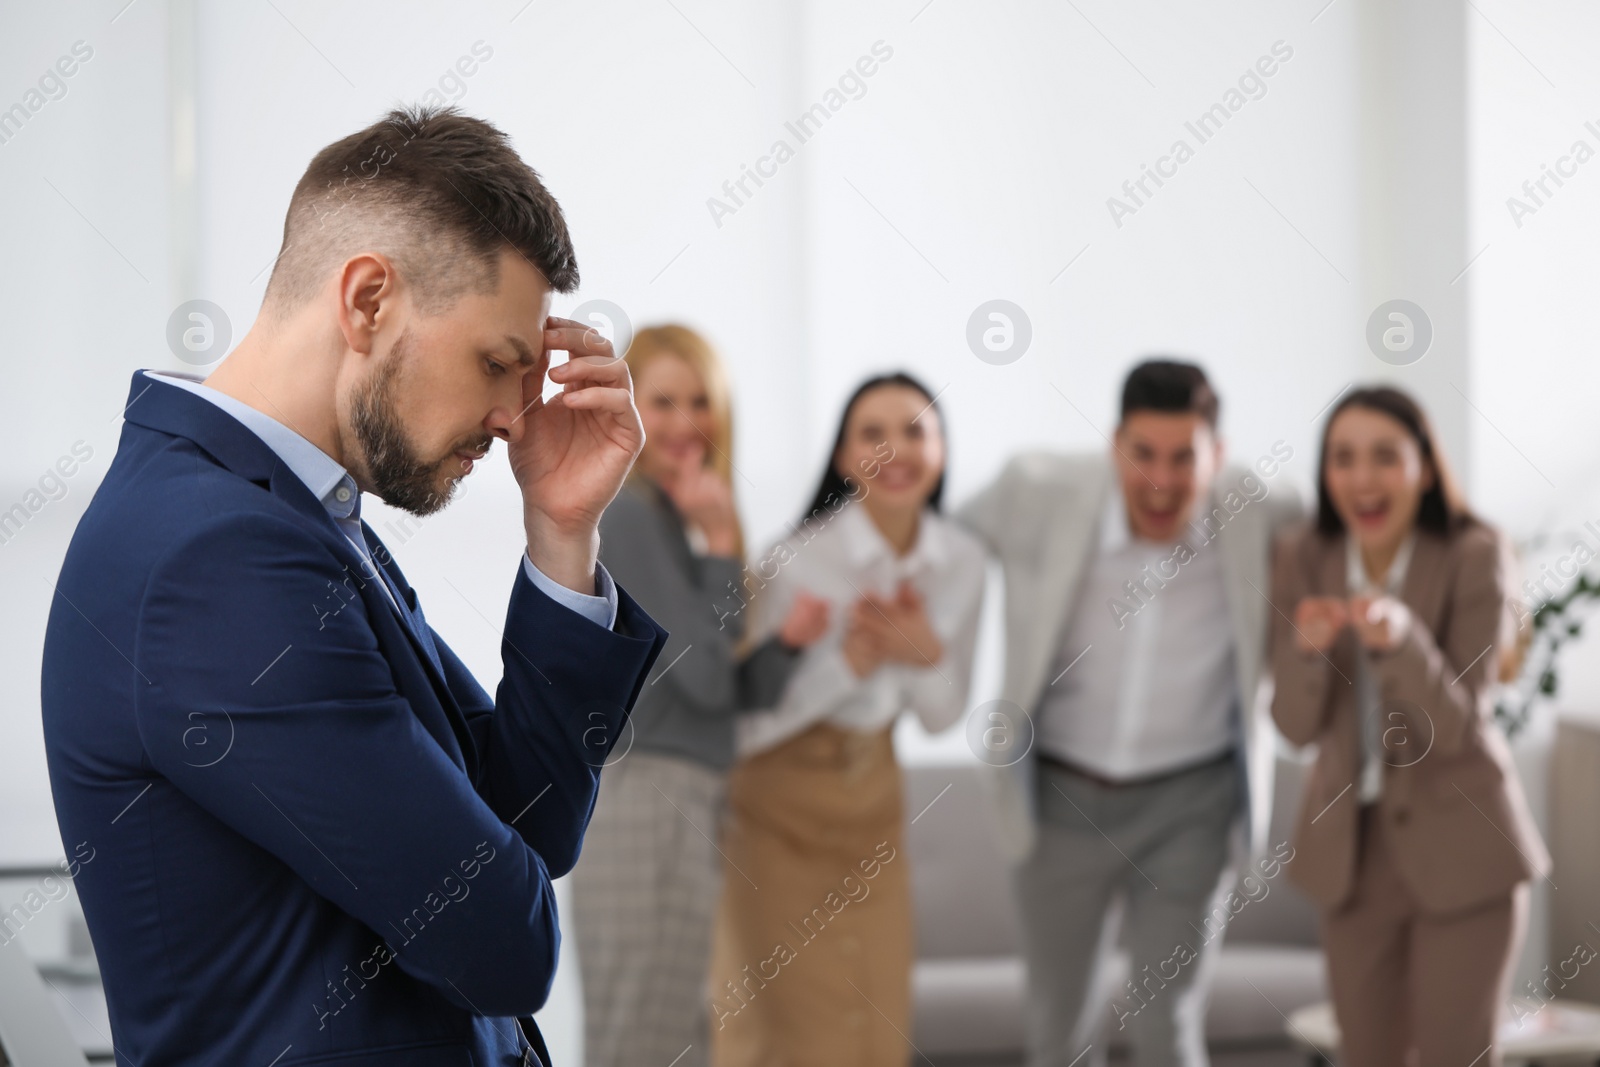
column 329, row 482
column 865, row 543
column 1356, row 572
column 1114, row 531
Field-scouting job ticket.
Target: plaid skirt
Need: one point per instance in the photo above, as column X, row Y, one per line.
column 644, row 894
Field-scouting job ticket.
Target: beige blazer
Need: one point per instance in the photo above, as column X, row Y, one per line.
column 1040, row 518
column 1450, row 793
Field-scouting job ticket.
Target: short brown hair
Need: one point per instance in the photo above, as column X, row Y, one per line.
column 439, row 193
column 1170, row 386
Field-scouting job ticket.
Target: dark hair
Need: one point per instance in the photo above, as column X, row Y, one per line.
column 438, row 192
column 1172, row 386
column 834, row 486
column 1443, row 508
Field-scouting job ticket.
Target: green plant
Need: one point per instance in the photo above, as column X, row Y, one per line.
column 1555, row 621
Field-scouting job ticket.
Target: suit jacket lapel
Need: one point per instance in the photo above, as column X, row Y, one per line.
column 285, row 484
column 1070, row 527
column 1333, row 580
column 168, row 409
column 1240, row 542
column 1420, row 590
column 412, row 619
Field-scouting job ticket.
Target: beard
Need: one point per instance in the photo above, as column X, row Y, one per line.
column 399, row 476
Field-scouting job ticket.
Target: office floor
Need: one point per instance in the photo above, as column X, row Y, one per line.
column 1275, row 1057
column 1260, row 1058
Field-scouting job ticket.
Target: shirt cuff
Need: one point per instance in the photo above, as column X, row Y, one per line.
column 600, row 609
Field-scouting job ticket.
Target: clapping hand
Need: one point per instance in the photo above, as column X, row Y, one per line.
column 1380, row 622
column 1317, row 622
column 862, row 651
column 895, row 628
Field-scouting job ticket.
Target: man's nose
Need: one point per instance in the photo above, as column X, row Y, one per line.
column 506, row 423
column 1161, row 478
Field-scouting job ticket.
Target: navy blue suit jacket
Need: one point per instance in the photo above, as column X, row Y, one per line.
column 307, row 841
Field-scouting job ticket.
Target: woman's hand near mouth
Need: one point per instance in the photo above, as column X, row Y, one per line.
column 704, row 498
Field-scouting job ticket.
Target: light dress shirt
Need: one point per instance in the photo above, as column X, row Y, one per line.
column 840, row 557
column 1151, row 686
column 1367, row 699
column 331, row 484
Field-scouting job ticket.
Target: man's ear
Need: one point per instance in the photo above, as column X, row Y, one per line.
column 368, row 288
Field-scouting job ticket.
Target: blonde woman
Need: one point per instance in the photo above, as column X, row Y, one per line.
column 646, row 886
column 812, row 963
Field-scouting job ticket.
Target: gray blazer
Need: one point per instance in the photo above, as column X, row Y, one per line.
column 699, row 682
column 1040, row 518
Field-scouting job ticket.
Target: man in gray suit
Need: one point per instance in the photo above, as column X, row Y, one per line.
column 1136, row 623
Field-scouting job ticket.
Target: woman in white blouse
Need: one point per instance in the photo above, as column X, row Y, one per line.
column 814, row 944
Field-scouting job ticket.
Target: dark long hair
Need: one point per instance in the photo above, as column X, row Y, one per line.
column 1444, row 508
column 835, row 487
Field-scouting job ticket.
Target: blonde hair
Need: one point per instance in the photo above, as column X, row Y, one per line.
column 671, row 339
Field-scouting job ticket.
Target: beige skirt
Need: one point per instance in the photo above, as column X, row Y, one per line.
column 811, row 959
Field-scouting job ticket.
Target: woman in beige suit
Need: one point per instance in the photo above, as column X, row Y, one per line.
column 1414, row 837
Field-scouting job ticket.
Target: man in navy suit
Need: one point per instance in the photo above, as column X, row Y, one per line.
column 317, row 839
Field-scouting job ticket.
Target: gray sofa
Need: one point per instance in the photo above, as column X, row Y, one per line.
column 968, row 981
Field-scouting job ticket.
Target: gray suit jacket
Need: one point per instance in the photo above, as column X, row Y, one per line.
column 703, row 677
column 1041, row 517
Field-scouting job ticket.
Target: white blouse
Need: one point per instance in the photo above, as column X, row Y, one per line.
column 840, row 557
column 1368, row 699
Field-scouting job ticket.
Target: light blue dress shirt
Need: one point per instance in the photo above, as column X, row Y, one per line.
column 336, row 489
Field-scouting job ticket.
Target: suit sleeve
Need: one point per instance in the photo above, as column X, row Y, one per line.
column 988, row 515
column 566, row 688
column 765, row 672
column 330, row 770
column 1301, row 680
column 1448, row 675
column 599, row 608
column 1288, row 509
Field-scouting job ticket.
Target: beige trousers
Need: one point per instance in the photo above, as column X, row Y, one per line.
column 1412, row 989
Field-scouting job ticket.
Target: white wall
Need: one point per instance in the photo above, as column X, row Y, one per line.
column 992, row 142
column 83, row 300
column 1535, row 367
